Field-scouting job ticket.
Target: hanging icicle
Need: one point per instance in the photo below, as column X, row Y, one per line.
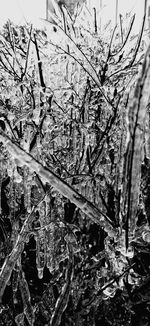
column 41, row 240
column 12, row 195
column 40, row 253
column 47, row 209
column 15, row 279
column 27, row 183
column 50, row 247
column 74, row 142
column 26, row 139
column 42, row 214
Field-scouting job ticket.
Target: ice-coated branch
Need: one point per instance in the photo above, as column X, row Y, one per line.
column 134, row 152
column 60, row 185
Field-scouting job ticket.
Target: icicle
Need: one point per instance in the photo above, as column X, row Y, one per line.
column 37, row 110
column 25, row 176
column 64, row 141
column 83, row 189
column 25, row 294
column 50, row 247
column 40, row 253
column 47, row 137
column 97, row 199
column 121, row 246
column 41, row 241
column 146, row 236
column 27, row 182
column 92, row 139
column 58, row 141
column 25, row 141
column 83, row 165
column 15, row 230
column 12, row 198
column 42, row 213
column 15, row 279
column 17, row 176
column 47, row 209
column 74, row 142
column 38, row 143
column 10, row 168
